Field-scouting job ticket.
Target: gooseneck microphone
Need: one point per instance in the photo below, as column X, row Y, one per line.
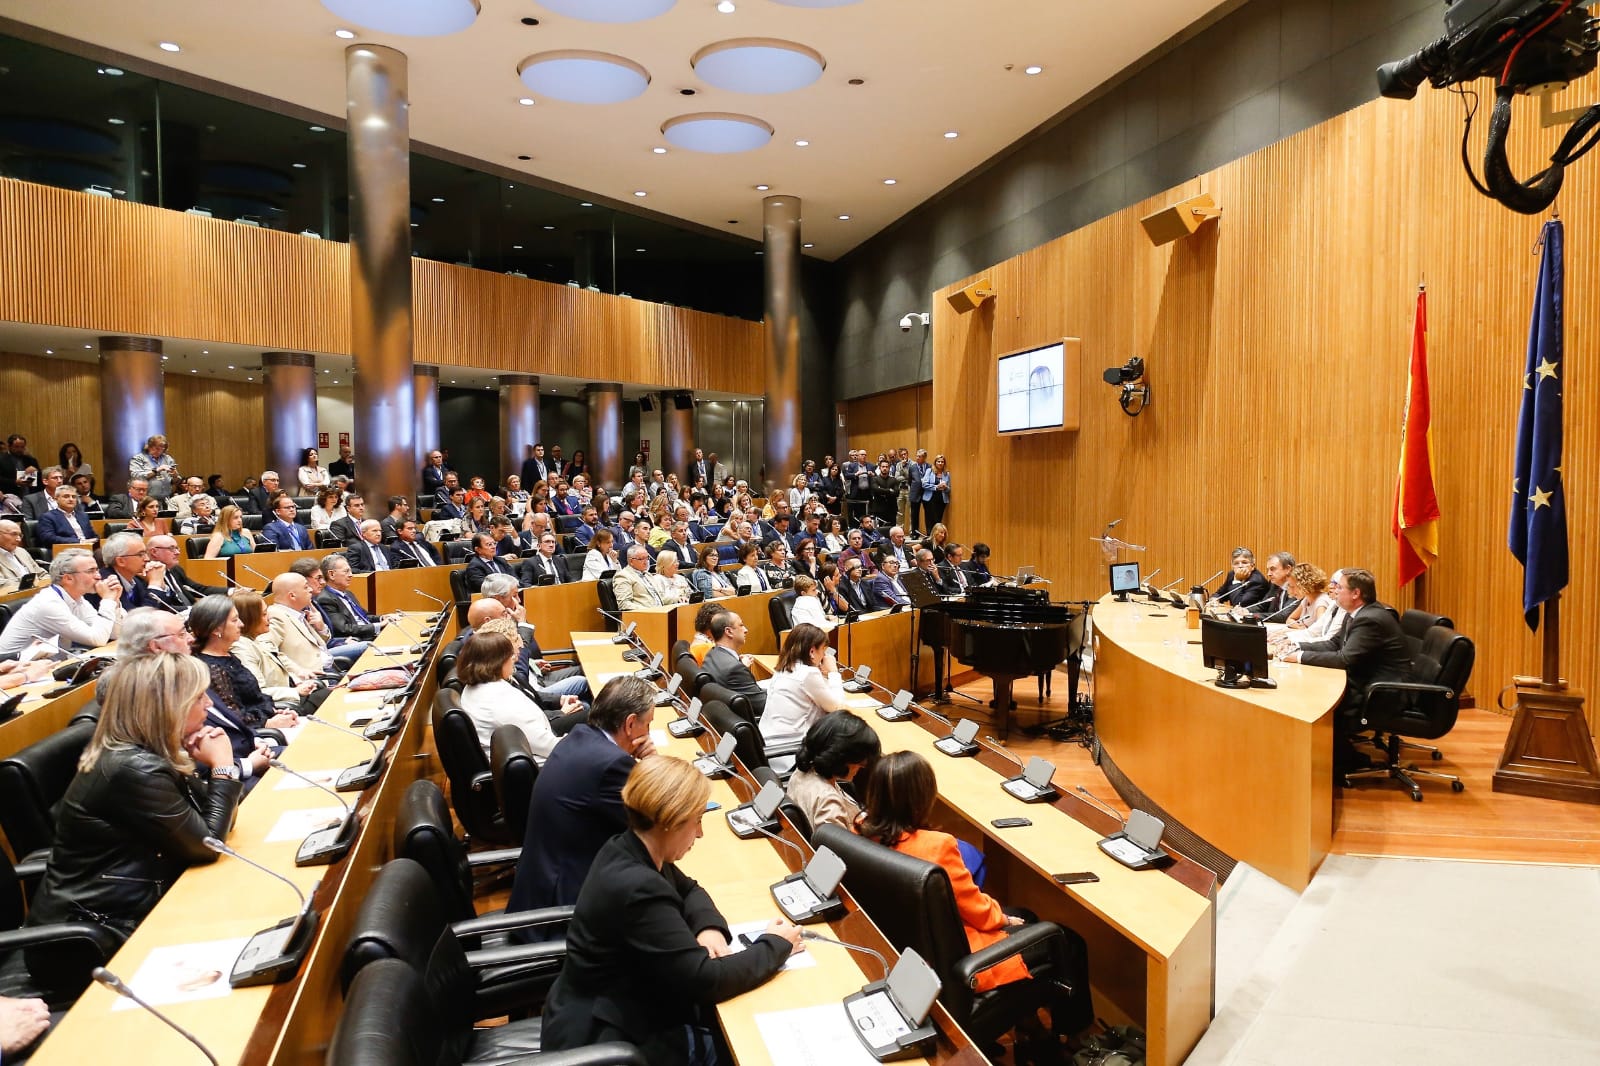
column 636, row 653
column 807, row 934
column 257, row 573
column 275, row 953
column 330, row 843
column 1003, row 750
column 791, row 845
column 1090, row 797
column 360, row 776
column 110, row 980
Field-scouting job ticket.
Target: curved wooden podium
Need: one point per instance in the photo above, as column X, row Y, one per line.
column 1250, row 771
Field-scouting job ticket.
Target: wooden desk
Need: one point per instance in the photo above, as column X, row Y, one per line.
column 287, row 1023
column 208, row 571
column 738, row 874
column 397, row 590
column 1248, row 770
column 559, row 610
column 883, row 641
column 41, row 717
column 761, row 640
column 268, row 565
column 657, row 627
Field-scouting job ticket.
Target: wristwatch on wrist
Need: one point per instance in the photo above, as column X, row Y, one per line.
column 226, row 773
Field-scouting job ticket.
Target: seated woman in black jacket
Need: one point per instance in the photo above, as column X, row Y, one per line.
column 647, row 951
column 152, row 784
column 238, row 705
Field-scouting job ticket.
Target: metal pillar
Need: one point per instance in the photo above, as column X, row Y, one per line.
column 605, row 433
column 519, row 421
column 780, row 234
column 677, row 432
column 291, row 413
column 133, row 405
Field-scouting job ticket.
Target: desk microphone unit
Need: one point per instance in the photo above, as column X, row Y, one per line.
column 362, row 775
column 808, row 896
column 899, row 710
column 275, row 953
column 650, row 669
column 960, row 742
column 669, row 695
column 890, row 1017
column 1033, row 784
column 1137, row 845
column 689, row 725
column 748, row 819
column 331, row 843
column 860, row 680
column 716, row 765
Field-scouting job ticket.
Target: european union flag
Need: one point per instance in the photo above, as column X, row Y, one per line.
column 1538, row 535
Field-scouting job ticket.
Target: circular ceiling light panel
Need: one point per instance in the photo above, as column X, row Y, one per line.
column 609, row 10
column 758, row 65
column 408, row 18
column 580, row 77
column 815, row 3
column 717, row 132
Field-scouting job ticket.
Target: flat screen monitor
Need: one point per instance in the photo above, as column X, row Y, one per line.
column 1238, row 649
column 1030, row 390
column 1124, row 578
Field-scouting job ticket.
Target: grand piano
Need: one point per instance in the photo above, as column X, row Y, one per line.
column 1001, row 631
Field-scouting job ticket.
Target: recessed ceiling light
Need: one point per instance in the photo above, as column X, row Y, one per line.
column 717, row 132
column 168, row 46
column 524, row 158
column 298, row 166
column 529, row 20
column 516, row 247
column 640, row 193
column 115, row 72
column 438, row 199
column 888, row 181
column 733, row 222
column 249, row 379
column 762, row 188
column 49, row 351
column 345, row 35
column 639, row 250
column 1033, row 70
column 951, row 135
column 526, row 101
column 808, row 245
column 510, row 186
column 414, row 225
column 230, row 366
column 116, row 121
column 726, row 7
column 579, row 76
column 844, row 218
column 801, row 144
column 758, row 65
column 549, row 227
column 318, row 129
column 586, row 203
column 88, row 346
column 409, row 18
column 196, row 372
column 203, row 351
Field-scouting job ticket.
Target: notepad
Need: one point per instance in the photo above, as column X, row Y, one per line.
column 812, row 1036
column 294, row 826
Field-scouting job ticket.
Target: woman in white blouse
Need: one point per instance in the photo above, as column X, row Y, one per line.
column 600, row 558
column 799, row 494
column 834, row 540
column 807, row 606
column 805, row 685
column 517, row 497
column 328, row 509
column 485, row 666
column 312, row 474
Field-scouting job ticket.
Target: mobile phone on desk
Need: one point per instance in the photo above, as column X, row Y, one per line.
column 713, row 805
column 1087, row 877
column 1010, row 823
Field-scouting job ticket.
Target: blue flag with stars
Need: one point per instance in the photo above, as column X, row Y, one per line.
column 1538, row 534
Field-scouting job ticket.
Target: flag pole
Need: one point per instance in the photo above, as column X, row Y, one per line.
column 1551, row 670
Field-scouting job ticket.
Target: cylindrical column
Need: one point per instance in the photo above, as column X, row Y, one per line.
column 677, row 432
column 133, row 405
column 291, row 410
column 605, row 433
column 519, row 421
column 780, row 235
column 379, row 142
column 425, row 387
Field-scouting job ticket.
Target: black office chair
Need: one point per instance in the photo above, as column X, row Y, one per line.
column 195, row 547
column 389, row 1020
column 608, row 604
column 912, row 902
column 689, row 670
column 1415, row 624
column 76, row 948
column 402, row 918
column 460, row 594
column 716, row 692
column 5, row 616
column 33, row 781
column 466, row 768
column 423, row 832
column 780, row 611
column 747, row 738
column 1425, row 708
column 515, row 771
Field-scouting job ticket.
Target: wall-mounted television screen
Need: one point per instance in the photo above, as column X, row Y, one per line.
column 1030, row 390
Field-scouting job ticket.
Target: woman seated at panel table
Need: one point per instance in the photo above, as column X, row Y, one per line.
column 202, row 517
column 328, row 509
column 274, row 675
column 647, row 950
column 229, row 537
column 1245, row 585
column 485, row 666
column 600, row 558
column 239, row 705
column 147, row 520
column 806, row 684
column 836, row 749
column 154, row 781
column 670, row 585
column 711, row 582
column 1318, row 617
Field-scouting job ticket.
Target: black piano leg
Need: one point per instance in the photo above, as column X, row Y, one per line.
column 1003, row 705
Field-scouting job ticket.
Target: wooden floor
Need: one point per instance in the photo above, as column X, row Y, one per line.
column 1377, row 817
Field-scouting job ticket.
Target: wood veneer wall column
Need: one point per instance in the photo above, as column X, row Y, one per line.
column 677, row 431
column 605, row 434
column 291, row 409
column 519, row 421
column 133, row 405
column 425, row 397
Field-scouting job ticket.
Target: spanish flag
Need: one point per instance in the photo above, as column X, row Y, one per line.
column 1416, row 506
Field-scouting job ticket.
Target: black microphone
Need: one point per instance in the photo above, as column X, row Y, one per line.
column 635, row 654
column 257, row 573
column 163, row 604
column 112, row 981
column 1285, row 609
column 1090, row 797
column 330, row 843
column 358, row 777
column 1207, row 582
column 275, row 953
column 807, row 934
column 444, row 607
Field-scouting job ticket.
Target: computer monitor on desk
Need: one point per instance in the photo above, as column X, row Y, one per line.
column 1124, row 579
column 1238, row 651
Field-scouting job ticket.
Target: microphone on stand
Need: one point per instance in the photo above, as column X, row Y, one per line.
column 1206, row 584
column 275, row 953
column 1090, row 797
column 1168, row 586
column 1002, row 749
column 110, row 980
column 807, row 934
column 636, row 653
column 1033, row 784
column 444, row 606
column 358, row 777
column 330, row 843
column 268, row 581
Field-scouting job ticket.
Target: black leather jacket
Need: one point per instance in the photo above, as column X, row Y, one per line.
column 125, row 830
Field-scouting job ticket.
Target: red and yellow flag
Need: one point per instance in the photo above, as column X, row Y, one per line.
column 1416, row 505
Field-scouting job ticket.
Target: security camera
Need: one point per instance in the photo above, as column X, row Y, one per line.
column 913, row 318
column 1133, row 390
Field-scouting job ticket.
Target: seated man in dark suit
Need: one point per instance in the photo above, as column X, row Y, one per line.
column 587, row 524
column 258, row 500
column 177, row 589
column 483, row 562
column 577, row 800
column 891, row 591
column 957, row 578
column 857, row 589
column 347, row 527
column 408, row 545
column 399, row 511
column 1369, row 647
column 35, row 504
column 283, row 530
column 88, row 502
column 930, row 570
column 548, row 563
column 126, row 504
column 728, row 667
column 64, row 525
column 369, row 553
column 128, row 560
column 346, row 617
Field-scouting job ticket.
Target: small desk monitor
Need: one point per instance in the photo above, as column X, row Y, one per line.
column 1237, row 649
column 1125, row 579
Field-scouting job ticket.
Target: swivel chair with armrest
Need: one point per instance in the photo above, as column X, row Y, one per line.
column 1424, row 708
column 912, row 902
column 33, row 781
column 466, row 768
column 742, row 721
column 515, row 773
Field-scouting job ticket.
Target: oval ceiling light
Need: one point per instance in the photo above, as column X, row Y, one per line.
column 407, row 18
column 609, row 10
column 758, row 65
column 815, row 3
column 716, row 132
column 581, row 77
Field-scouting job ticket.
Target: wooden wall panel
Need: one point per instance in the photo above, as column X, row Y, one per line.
column 900, row 418
column 219, row 428
column 51, row 402
column 1278, row 341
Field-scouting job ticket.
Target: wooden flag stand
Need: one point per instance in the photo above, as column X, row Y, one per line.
column 1549, row 752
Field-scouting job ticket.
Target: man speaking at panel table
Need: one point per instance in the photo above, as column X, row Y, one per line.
column 1370, row 647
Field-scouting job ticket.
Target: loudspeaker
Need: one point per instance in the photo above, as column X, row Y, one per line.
column 1179, row 220
column 647, row 403
column 964, row 300
column 682, row 401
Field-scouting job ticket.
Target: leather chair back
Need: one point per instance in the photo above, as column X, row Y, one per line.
column 1416, row 623
column 422, row 833
column 459, row 591
column 608, row 603
column 384, row 1020
column 1445, row 659
column 738, row 703
column 911, row 901
column 691, row 673
column 515, row 771
column 723, row 719
column 33, row 781
column 780, row 609
column 5, row 616
column 467, row 770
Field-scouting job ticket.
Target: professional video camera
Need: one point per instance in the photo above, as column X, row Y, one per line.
column 1532, row 47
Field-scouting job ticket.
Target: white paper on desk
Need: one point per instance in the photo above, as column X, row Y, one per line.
column 286, row 782
column 660, row 738
column 184, row 972
column 600, row 682
column 41, row 649
column 798, row 960
column 812, row 1036
column 369, row 697
column 597, row 642
column 295, row 826
column 291, row 731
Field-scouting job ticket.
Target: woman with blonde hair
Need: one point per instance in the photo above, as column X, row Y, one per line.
column 670, row 585
column 229, row 537
column 153, row 783
column 648, row 953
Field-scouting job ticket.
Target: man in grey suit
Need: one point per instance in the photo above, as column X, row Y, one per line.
column 35, row 504
column 728, row 667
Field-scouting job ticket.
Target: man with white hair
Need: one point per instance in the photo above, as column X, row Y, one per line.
column 151, row 631
column 129, row 560
column 183, row 502
column 15, row 563
column 261, row 495
column 369, row 554
column 632, row 583
column 66, row 524
column 61, row 612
